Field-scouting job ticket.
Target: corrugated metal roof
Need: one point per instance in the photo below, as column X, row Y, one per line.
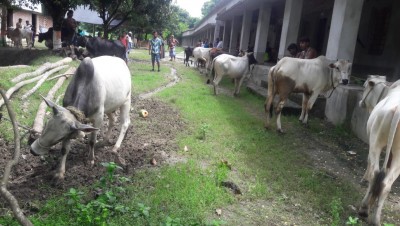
column 84, row 14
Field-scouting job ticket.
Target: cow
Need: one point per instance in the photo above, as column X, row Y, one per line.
column 100, row 86
column 308, row 76
column 375, row 89
column 100, row 47
column 382, row 129
column 201, row 54
column 16, row 35
column 236, row 68
column 187, row 54
column 48, row 38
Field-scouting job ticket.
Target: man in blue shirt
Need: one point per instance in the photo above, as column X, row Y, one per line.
column 155, row 48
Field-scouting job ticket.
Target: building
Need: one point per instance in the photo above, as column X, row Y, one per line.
column 362, row 31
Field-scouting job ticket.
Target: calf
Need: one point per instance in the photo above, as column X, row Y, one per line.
column 187, row 54
column 234, row 67
column 100, row 86
column 375, row 89
column 382, row 129
column 310, row 77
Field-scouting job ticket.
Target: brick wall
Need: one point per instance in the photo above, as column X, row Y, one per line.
column 41, row 20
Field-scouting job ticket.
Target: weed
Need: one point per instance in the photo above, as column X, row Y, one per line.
column 172, row 222
column 106, row 203
column 203, row 131
column 142, row 211
column 352, row 221
column 385, row 224
column 336, row 210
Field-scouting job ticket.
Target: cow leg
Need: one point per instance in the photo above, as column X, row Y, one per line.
column 66, row 146
column 125, row 121
column 310, row 104
column 279, row 108
column 111, row 123
column 267, row 106
column 238, row 85
column 375, row 148
column 304, row 106
column 97, row 123
column 217, row 79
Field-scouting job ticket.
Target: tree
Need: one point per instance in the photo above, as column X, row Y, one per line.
column 138, row 11
column 208, row 6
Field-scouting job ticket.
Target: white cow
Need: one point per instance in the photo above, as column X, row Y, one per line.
column 201, row 54
column 308, row 76
column 375, row 89
column 382, row 129
column 100, row 86
column 234, row 67
column 16, row 35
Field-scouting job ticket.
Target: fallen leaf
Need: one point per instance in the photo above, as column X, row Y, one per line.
column 153, row 162
column 186, row 148
column 218, row 212
column 351, row 153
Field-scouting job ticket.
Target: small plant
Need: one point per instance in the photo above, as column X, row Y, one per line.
column 203, row 131
column 142, row 211
column 385, row 224
column 216, row 223
column 106, row 202
column 172, row 222
column 336, row 209
column 352, row 221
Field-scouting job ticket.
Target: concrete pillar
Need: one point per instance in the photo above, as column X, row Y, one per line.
column 290, row 26
column 227, row 32
column 245, row 33
column 344, row 28
column 264, row 16
column 217, row 29
column 235, row 29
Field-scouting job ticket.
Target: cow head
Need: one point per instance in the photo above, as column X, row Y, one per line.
column 62, row 126
column 374, row 88
column 343, row 68
column 251, row 58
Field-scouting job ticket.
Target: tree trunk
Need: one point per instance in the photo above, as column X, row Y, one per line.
column 105, row 29
column 3, row 26
column 57, row 40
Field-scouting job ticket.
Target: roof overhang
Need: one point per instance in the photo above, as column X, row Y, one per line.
column 84, row 14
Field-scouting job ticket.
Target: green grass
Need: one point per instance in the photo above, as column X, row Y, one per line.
column 266, row 166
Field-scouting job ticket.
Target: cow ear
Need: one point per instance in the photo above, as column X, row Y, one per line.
column 83, row 127
column 332, row 65
column 51, row 105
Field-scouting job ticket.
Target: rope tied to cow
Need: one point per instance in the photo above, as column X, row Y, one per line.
column 333, row 85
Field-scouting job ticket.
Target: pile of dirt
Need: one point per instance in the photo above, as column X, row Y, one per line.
column 146, row 138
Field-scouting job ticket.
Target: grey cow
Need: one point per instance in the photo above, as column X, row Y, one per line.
column 100, row 86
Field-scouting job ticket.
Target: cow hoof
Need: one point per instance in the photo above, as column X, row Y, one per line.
column 280, row 131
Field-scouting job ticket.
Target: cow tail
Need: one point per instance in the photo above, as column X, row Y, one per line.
column 378, row 185
column 271, row 90
column 212, row 72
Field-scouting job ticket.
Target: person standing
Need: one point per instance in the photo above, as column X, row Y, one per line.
column 155, row 48
column 124, row 40
column 307, row 51
column 171, row 47
column 129, row 41
column 70, row 25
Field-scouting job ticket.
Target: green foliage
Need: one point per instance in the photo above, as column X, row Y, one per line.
column 107, row 203
column 352, row 221
column 336, row 210
column 208, row 6
column 204, row 128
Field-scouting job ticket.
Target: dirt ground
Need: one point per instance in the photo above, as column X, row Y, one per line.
column 153, row 137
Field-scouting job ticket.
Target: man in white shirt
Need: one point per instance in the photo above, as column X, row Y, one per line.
column 220, row 44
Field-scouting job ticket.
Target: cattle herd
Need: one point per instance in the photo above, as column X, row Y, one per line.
column 95, row 91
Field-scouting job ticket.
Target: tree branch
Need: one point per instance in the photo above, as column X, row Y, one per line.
column 12, row 201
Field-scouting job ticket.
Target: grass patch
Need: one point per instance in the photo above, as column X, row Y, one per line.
column 266, row 166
